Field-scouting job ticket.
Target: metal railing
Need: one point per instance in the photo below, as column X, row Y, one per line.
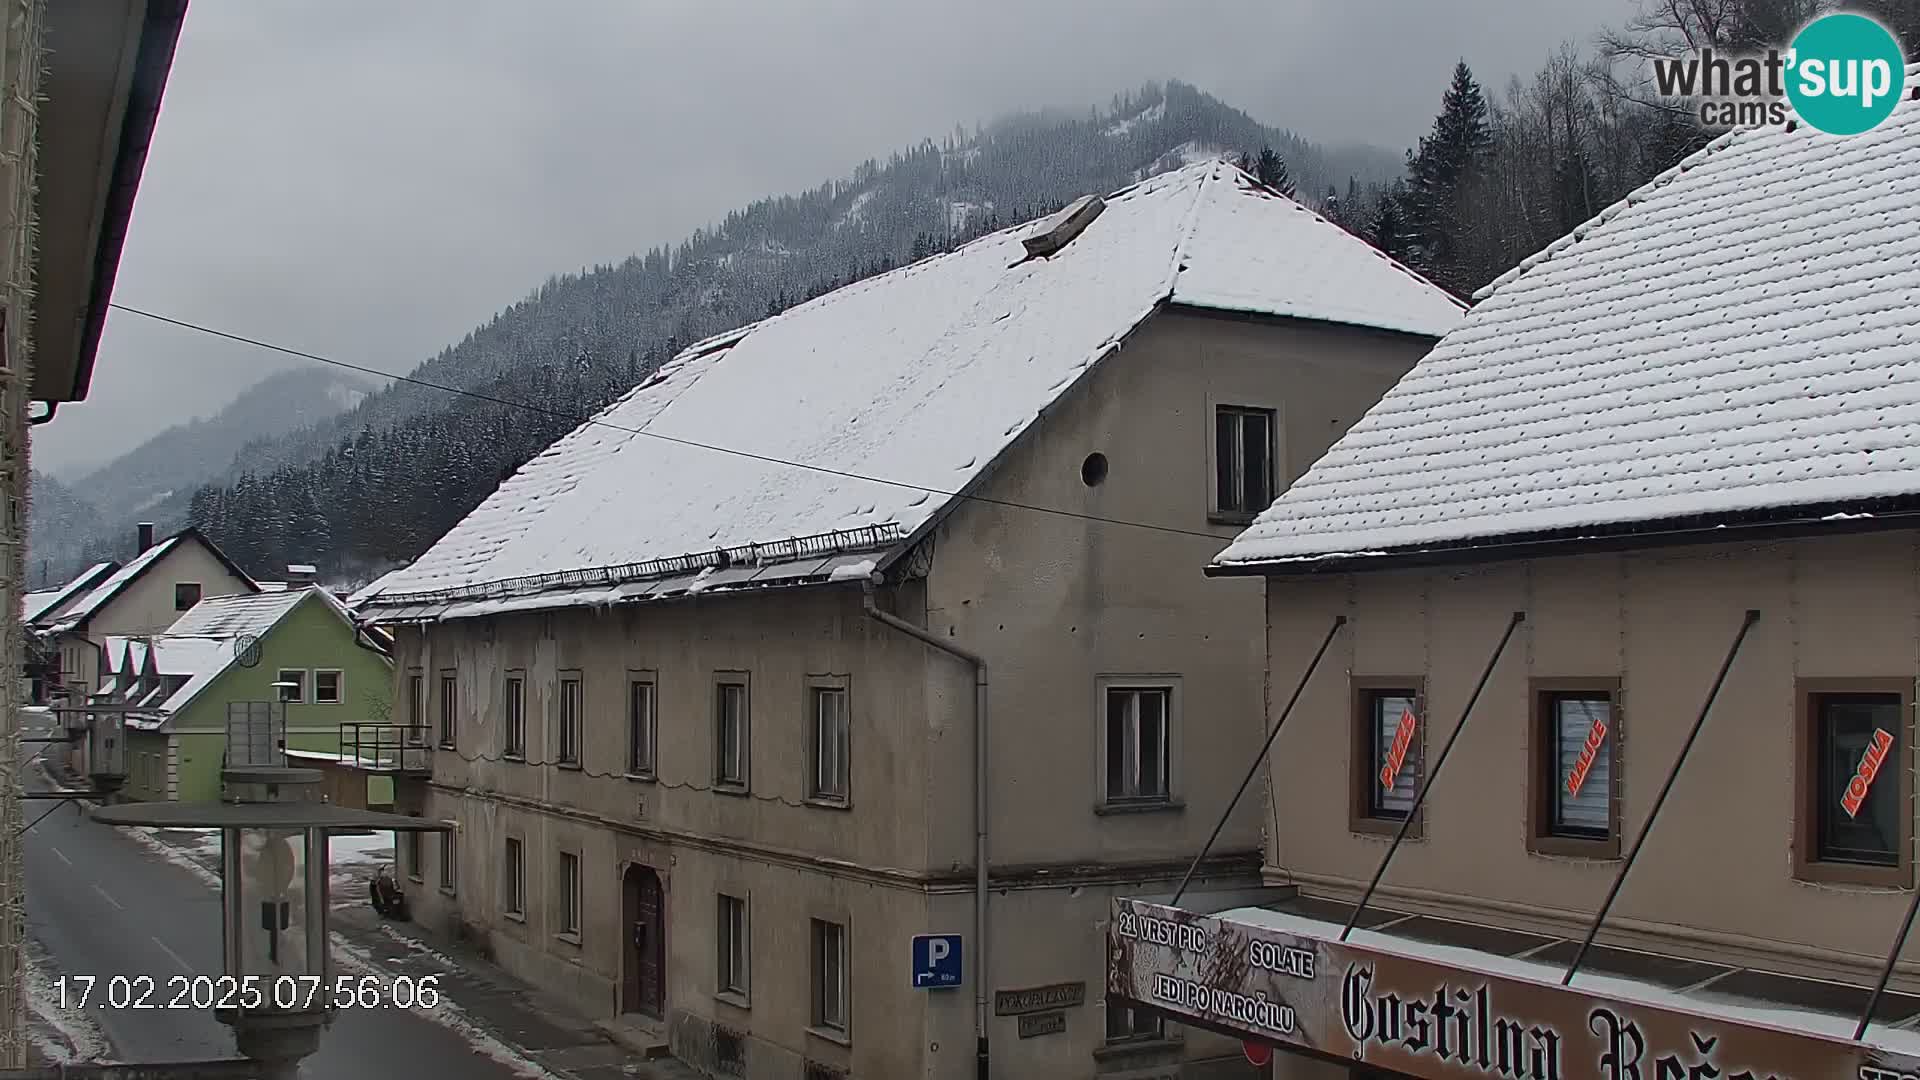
column 397, row 747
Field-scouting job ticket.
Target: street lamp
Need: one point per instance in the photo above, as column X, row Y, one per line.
column 273, row 884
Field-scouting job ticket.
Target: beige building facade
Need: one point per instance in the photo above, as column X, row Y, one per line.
column 785, row 917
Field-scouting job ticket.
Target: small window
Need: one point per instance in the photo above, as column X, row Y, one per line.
column 327, row 689
column 734, row 944
column 570, row 703
column 416, row 856
column 1576, row 768
column 449, row 710
column 513, row 884
column 449, row 861
column 516, row 725
column 730, row 734
column 1125, row 1024
column 569, row 912
column 640, row 727
column 831, row 750
column 185, row 595
column 292, row 685
column 1242, row 460
column 1389, row 753
column 1138, row 743
column 829, row 976
column 1855, row 782
column 416, row 709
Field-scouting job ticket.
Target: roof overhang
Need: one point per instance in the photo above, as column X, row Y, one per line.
column 105, row 71
column 1773, row 523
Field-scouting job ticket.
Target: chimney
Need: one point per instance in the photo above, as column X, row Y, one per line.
column 302, row 573
column 146, row 536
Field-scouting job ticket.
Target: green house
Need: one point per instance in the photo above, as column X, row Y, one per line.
column 299, row 650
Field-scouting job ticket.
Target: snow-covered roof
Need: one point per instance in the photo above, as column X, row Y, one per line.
column 364, row 593
column 306, row 569
column 919, row 377
column 104, row 593
column 240, row 613
column 40, row 606
column 1741, row 336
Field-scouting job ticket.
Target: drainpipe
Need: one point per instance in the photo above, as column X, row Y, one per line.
column 979, row 810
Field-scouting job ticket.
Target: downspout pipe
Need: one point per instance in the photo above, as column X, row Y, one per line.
column 980, row 788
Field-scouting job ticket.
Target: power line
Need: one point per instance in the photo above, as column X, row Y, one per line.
column 581, row 420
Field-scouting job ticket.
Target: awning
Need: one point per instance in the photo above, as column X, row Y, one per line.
column 1445, row 999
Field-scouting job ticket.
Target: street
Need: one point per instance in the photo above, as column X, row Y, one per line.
column 99, row 904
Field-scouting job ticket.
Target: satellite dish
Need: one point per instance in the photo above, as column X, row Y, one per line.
column 246, row 649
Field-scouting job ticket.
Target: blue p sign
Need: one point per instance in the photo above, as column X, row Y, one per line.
column 936, row 960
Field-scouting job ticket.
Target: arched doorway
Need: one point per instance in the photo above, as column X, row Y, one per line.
column 644, row 917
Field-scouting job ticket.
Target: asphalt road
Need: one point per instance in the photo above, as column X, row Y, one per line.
column 101, row 905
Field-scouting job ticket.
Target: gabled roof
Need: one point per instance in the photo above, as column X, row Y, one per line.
column 46, row 605
column 920, row 377
column 103, row 594
column 1736, row 342
column 240, row 613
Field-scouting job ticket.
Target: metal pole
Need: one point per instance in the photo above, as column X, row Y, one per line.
column 1893, row 954
column 223, row 1069
column 1426, row 783
column 1338, row 622
column 1673, row 774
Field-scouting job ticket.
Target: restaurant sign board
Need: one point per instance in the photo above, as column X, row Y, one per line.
column 1412, row 1015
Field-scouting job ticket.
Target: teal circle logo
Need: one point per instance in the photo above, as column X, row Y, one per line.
column 1846, row 73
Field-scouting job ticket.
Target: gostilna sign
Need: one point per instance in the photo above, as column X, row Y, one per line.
column 1406, row 1014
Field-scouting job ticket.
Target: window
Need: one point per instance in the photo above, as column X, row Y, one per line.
column 448, row 707
column 1389, row 750
column 292, row 685
column 730, row 734
column 185, row 595
column 640, row 727
column 1125, row 1024
column 326, row 687
column 831, row 751
column 513, row 884
column 1855, row 782
column 416, row 856
column 449, row 861
column 516, row 726
column 829, row 976
column 734, row 943
column 1242, row 461
column 569, row 913
column 1575, row 780
column 569, row 748
column 1138, row 744
column 416, row 709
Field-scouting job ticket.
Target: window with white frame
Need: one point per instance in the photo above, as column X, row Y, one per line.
column 1242, row 460
column 730, row 733
column 449, row 860
column 292, row 685
column 570, row 706
column 832, row 757
column 734, row 945
column 328, row 686
column 1139, row 743
column 449, row 709
column 641, row 730
column 829, row 975
column 513, row 883
column 569, row 908
column 516, row 718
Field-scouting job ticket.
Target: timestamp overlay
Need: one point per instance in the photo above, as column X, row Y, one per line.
column 286, row 992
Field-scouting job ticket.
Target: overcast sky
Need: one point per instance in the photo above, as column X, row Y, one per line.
column 369, row 180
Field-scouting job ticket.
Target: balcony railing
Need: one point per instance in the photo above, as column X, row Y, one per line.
column 386, row 747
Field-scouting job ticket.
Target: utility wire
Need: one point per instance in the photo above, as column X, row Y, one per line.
column 44, row 814
column 578, row 420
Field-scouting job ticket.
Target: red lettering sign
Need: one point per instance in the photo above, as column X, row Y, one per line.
column 1862, row 781
column 1397, row 753
column 1596, row 735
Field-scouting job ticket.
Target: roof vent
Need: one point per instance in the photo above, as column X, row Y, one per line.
column 1060, row 229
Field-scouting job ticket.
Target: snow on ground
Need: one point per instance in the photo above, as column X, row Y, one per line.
column 1151, row 116
column 353, row 958
column 58, row 1034
column 857, row 213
